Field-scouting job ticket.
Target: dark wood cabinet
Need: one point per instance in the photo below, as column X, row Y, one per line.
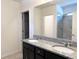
column 39, row 53
column 24, row 53
column 33, row 52
column 30, row 54
column 27, row 54
column 39, row 57
column 28, row 51
column 53, row 56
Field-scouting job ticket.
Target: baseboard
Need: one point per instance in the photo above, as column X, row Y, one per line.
column 10, row 53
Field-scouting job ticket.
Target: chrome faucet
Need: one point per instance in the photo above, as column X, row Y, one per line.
column 68, row 44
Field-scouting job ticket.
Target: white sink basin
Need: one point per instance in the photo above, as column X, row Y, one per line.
column 33, row 40
column 63, row 49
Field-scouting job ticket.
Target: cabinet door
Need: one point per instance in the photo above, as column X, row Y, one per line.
column 28, row 52
column 54, row 56
column 39, row 57
column 24, row 53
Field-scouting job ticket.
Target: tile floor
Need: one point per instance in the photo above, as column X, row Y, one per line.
column 14, row 56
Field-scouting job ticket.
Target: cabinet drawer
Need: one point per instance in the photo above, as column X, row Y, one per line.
column 28, row 46
column 39, row 51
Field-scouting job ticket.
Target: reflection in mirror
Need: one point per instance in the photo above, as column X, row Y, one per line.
column 48, row 26
column 45, row 23
column 65, row 14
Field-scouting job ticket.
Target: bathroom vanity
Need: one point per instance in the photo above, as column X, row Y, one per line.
column 51, row 20
column 42, row 49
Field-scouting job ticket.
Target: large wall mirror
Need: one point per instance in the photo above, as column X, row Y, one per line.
column 56, row 20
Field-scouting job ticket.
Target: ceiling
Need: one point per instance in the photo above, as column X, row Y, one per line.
column 61, row 2
column 66, row 2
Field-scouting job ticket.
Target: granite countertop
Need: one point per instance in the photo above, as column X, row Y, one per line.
column 47, row 45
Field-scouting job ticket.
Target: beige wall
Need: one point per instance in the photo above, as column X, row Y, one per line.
column 74, row 26
column 10, row 28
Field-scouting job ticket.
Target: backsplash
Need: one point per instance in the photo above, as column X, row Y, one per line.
column 58, row 40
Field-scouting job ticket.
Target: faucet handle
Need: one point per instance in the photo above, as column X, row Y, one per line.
column 67, row 44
